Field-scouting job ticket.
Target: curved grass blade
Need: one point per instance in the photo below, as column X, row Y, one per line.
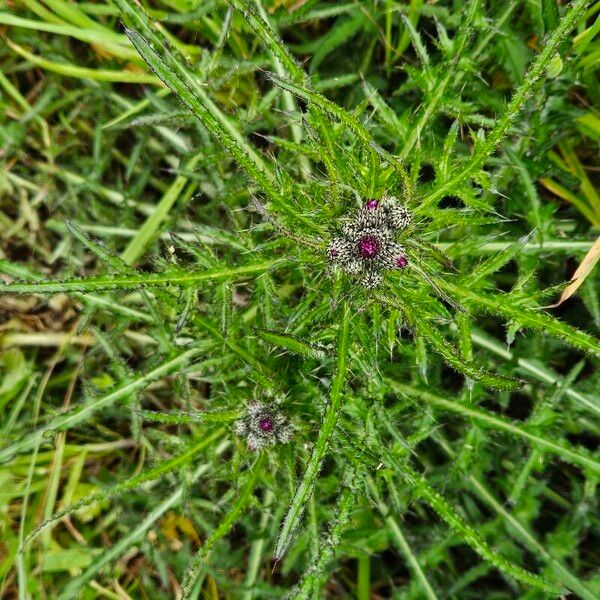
column 129, row 484
column 113, row 43
column 402, row 542
column 66, row 70
column 537, row 370
column 83, row 412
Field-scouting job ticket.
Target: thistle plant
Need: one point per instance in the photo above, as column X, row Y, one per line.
column 371, row 248
column 367, row 245
column 263, row 426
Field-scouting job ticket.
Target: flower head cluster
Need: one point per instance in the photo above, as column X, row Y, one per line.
column 263, row 425
column 367, row 244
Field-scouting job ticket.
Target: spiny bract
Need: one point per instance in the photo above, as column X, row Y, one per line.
column 367, row 245
column 263, row 425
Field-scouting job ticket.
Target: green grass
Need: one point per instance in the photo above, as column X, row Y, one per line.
column 171, row 176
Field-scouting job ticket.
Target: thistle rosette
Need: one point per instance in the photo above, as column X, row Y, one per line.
column 263, row 425
column 367, row 245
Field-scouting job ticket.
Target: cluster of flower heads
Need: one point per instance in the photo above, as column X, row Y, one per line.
column 263, row 425
column 367, row 244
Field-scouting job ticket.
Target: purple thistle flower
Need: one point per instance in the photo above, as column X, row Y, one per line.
column 367, row 244
column 263, row 425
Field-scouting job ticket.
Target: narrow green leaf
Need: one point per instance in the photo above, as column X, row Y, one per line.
column 442, row 507
column 312, row 582
column 453, row 357
column 537, row 370
column 402, row 542
column 495, row 262
column 109, row 304
column 114, row 43
column 144, row 235
column 81, row 413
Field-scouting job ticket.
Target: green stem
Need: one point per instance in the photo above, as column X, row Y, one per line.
column 310, row 586
column 307, row 484
column 195, row 565
column 410, row 557
column 363, row 584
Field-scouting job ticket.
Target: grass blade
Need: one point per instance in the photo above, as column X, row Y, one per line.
column 82, row 413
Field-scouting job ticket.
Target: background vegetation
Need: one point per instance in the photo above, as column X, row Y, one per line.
column 170, row 176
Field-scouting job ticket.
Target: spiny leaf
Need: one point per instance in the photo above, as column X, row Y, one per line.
column 136, row 280
column 291, row 343
column 468, row 368
column 470, row 535
column 443, row 508
column 104, row 253
column 495, row 262
column 340, row 523
column 577, row 457
column 512, row 111
column 502, row 305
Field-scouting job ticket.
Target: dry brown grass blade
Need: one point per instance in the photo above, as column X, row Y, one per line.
column 583, row 270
